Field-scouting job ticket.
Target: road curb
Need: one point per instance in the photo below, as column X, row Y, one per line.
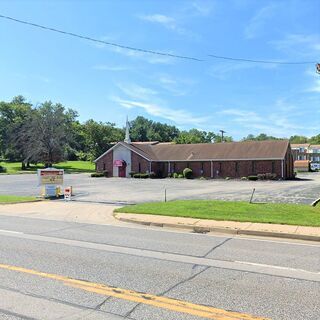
column 198, row 229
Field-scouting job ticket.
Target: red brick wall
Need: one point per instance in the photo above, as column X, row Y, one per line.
column 135, row 160
column 105, row 163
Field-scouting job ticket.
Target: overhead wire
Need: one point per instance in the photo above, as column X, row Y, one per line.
column 152, row 51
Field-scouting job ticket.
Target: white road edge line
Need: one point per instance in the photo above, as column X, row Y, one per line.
column 10, row 231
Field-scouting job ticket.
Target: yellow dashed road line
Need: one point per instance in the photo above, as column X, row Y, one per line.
column 144, row 298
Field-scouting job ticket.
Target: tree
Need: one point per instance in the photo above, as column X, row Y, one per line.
column 142, row 129
column 298, row 139
column 46, row 134
column 99, row 137
column 260, row 137
column 199, row 136
column 12, row 116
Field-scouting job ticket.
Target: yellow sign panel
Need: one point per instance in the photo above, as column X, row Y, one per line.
column 52, row 176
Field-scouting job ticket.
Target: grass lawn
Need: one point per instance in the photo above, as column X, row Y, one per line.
column 14, row 199
column 291, row 214
column 68, row 166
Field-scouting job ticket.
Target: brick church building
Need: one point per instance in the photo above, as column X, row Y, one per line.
column 211, row 160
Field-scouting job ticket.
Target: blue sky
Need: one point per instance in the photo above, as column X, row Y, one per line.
column 107, row 83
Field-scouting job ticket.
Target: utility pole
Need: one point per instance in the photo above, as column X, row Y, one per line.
column 222, row 132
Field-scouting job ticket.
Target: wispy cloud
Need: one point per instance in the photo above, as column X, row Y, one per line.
column 170, row 23
column 203, row 8
column 281, row 123
column 256, row 25
column 166, row 21
column 147, row 99
column 223, row 70
column 301, row 45
column 174, row 85
column 147, row 57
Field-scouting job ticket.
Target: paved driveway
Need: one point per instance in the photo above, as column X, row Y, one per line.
column 134, row 190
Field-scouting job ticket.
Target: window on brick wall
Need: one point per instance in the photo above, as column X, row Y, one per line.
column 174, row 167
column 104, row 166
column 236, row 166
column 220, row 167
column 139, row 167
column 273, row 166
column 253, row 166
column 187, row 164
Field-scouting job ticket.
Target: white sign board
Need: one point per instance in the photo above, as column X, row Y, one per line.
column 51, row 176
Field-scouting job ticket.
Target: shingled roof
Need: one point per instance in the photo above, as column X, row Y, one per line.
column 247, row 150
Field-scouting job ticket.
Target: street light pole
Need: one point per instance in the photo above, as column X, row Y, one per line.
column 222, row 132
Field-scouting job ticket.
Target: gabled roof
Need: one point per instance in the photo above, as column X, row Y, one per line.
column 247, row 150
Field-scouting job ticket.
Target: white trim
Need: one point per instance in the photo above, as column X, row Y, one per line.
column 124, row 145
column 105, row 152
column 282, row 168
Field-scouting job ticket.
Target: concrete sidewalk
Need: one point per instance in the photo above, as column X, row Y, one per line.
column 230, row 227
column 70, row 211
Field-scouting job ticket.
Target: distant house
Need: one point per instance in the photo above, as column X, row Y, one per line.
column 306, row 151
column 302, row 165
column 300, row 151
column 212, row 160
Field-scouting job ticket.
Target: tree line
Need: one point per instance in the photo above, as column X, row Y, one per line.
column 49, row 133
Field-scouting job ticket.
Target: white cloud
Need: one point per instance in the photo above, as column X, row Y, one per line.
column 166, row 21
column 257, row 24
column 303, row 45
column 169, row 23
column 222, row 70
column 148, row 57
column 203, row 8
column 148, row 100
column 175, row 115
column 282, row 122
column 137, row 92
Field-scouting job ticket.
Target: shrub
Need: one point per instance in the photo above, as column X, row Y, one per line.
column 132, row 173
column 187, row 173
column 175, row 175
column 97, row 174
column 3, row 169
column 170, row 175
column 244, row 178
column 227, row 178
column 261, row 176
column 252, row 178
column 152, row 175
column 271, row 176
column 141, row 175
column 180, row 175
column 203, row 178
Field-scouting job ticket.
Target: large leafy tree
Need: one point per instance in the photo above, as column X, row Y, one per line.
column 47, row 134
column 99, row 137
column 199, row 136
column 260, row 137
column 12, row 117
column 142, row 129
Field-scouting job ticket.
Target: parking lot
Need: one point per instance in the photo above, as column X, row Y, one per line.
column 303, row 190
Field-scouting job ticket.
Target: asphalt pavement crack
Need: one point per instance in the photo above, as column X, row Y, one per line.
column 216, row 247
column 168, row 290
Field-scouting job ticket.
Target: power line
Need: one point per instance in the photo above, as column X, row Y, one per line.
column 261, row 61
column 151, row 51
column 99, row 41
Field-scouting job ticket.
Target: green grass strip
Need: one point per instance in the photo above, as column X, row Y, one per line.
column 15, row 199
column 290, row 214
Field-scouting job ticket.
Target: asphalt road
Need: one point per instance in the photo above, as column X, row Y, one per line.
column 113, row 190
column 80, row 265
